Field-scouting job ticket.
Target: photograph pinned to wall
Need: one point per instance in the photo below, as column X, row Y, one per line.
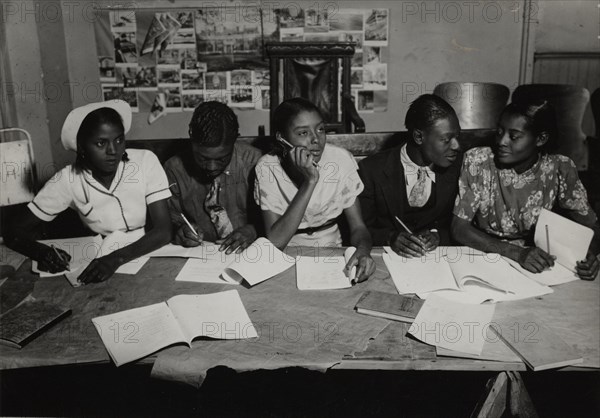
column 376, row 28
column 172, row 98
column 188, row 59
column 158, row 109
column 107, row 68
column 240, row 78
column 168, row 76
column 261, row 78
column 216, row 80
column 217, row 96
column 354, row 37
column 161, row 32
column 168, row 57
column 372, row 54
column 291, row 35
column 356, row 77
column 125, row 48
column 192, row 80
column 347, row 20
column 364, row 101
column 133, row 76
column 191, row 99
column 375, row 77
column 242, row 97
column 227, row 44
column 315, row 20
column 290, row 17
column 122, row 21
column 183, row 38
column 186, row 19
column 321, row 37
column 114, row 91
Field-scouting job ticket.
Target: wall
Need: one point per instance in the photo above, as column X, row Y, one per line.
column 431, row 42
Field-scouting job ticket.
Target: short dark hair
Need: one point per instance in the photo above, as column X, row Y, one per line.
column 540, row 116
column 89, row 124
column 213, row 123
column 289, row 109
column 425, row 110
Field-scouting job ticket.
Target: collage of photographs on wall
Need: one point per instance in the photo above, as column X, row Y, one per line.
column 170, row 61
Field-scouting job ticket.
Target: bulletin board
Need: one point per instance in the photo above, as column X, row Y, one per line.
column 165, row 61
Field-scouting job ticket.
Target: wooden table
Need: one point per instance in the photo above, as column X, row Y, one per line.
column 316, row 330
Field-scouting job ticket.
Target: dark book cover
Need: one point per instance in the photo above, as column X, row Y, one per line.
column 391, row 306
column 27, row 320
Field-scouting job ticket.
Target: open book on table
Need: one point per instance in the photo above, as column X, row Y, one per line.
column 135, row 333
column 324, row 272
column 85, row 249
column 257, row 263
column 466, row 277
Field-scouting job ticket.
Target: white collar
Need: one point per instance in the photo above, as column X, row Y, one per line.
column 411, row 168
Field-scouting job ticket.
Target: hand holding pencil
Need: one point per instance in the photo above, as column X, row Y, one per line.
column 407, row 244
column 188, row 235
column 53, row 260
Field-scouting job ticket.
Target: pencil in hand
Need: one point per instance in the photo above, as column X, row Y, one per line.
column 66, row 263
column 290, row 146
column 190, row 226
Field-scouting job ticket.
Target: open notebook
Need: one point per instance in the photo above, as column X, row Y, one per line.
column 135, row 333
column 85, row 249
column 465, row 277
column 257, row 263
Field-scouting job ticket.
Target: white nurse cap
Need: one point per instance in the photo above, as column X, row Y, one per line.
column 74, row 119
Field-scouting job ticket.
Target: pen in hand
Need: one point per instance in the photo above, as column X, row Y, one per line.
column 290, row 146
column 61, row 258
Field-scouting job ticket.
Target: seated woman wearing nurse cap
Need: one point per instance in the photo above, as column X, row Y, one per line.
column 110, row 188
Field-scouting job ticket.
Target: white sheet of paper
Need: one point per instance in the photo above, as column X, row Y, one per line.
column 324, row 273
column 551, row 277
column 217, row 315
column 452, row 325
column 569, row 241
column 257, row 263
column 205, row 250
column 204, row 270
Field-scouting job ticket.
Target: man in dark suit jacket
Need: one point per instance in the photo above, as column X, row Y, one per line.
column 416, row 181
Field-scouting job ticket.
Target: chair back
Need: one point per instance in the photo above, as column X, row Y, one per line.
column 477, row 105
column 569, row 103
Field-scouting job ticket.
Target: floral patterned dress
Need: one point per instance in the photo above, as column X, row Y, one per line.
column 506, row 204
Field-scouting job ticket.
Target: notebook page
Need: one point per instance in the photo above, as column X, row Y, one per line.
column 415, row 275
column 569, row 241
column 205, row 270
column 557, row 274
column 257, row 263
column 135, row 333
column 217, row 315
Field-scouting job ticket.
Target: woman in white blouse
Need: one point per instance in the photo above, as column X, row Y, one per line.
column 109, row 187
column 303, row 189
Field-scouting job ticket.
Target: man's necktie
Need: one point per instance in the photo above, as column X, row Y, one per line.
column 417, row 198
column 217, row 213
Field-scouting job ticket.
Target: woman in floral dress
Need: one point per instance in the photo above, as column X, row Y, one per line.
column 503, row 189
